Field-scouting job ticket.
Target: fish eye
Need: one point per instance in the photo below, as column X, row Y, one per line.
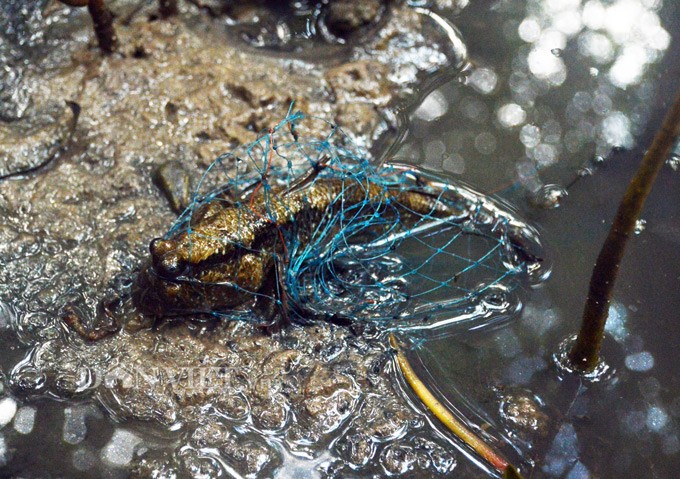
column 171, row 265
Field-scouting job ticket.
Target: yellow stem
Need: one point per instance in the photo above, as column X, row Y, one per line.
column 447, row 418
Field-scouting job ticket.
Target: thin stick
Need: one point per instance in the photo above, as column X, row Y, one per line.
column 103, row 22
column 447, row 418
column 585, row 354
column 103, row 26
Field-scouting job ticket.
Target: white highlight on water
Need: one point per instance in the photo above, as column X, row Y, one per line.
column 616, row 322
column 24, row 420
column 3, row 451
column 433, row 106
column 511, row 114
column 121, row 448
column 579, row 471
column 484, row 80
column 656, row 418
column 640, row 362
column 84, row 459
column 8, row 408
column 75, row 429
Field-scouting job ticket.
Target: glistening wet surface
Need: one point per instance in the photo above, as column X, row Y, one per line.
column 552, row 86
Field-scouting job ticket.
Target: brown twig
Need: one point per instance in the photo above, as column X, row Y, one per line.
column 103, row 22
column 75, row 321
column 585, row 354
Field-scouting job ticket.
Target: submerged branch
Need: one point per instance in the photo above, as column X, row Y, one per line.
column 584, row 355
column 448, row 419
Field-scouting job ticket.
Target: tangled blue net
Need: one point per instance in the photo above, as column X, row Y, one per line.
column 354, row 239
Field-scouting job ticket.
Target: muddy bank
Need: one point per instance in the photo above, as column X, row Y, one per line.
column 76, row 230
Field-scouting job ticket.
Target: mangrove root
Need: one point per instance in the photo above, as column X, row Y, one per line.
column 585, row 353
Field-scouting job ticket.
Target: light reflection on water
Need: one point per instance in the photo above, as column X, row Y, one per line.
column 560, row 90
column 557, row 83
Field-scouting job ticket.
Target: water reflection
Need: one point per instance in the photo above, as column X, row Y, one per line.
column 554, row 89
column 561, row 82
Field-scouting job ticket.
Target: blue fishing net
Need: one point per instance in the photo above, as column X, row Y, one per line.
column 352, row 238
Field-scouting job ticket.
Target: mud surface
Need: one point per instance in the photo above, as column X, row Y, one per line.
column 222, row 397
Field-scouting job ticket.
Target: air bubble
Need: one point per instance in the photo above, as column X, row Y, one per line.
column 196, row 464
column 398, row 459
column 549, row 197
column 26, row 378
column 496, row 298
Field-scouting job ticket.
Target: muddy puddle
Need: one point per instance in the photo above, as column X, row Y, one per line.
column 547, row 105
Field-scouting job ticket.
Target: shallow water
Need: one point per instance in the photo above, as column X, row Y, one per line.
column 506, row 130
column 534, row 109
